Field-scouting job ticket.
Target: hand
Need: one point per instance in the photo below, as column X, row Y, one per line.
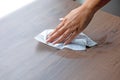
column 72, row 24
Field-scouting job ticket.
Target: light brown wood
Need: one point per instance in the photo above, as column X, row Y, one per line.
column 23, row 58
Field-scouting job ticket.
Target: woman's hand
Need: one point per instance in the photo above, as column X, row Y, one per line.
column 72, row 24
column 75, row 22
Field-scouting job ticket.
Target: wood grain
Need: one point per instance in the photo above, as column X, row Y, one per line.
column 23, row 58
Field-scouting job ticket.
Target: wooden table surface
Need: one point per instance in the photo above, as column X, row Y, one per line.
column 23, row 58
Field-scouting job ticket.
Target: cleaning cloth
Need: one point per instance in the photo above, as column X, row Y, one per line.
column 79, row 43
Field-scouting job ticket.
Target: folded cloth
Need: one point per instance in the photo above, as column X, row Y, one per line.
column 79, row 43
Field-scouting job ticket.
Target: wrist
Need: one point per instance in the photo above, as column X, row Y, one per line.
column 91, row 8
column 94, row 5
column 86, row 9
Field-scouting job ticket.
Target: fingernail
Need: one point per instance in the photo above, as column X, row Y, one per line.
column 65, row 43
column 48, row 40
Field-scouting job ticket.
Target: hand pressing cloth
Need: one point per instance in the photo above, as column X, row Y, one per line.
column 79, row 43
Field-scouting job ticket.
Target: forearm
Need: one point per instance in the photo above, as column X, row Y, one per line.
column 94, row 5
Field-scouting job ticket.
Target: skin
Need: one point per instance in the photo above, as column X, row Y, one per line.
column 75, row 22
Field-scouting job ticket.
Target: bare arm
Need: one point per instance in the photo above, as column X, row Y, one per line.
column 75, row 22
column 95, row 5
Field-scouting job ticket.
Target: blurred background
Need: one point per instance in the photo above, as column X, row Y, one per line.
column 112, row 7
column 9, row 6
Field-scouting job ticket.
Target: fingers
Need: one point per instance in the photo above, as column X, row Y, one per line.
column 72, row 36
column 63, row 34
column 56, row 35
column 58, row 27
column 63, row 37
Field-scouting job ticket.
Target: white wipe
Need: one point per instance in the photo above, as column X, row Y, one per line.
column 79, row 43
